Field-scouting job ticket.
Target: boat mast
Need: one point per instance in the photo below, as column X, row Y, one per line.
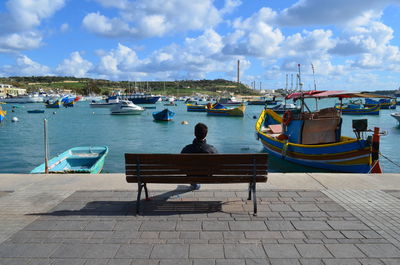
column 315, row 86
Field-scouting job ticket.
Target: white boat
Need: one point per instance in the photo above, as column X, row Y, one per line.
column 126, row 107
column 110, row 102
column 396, row 115
column 31, row 98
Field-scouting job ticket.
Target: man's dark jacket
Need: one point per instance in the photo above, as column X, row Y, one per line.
column 199, row 146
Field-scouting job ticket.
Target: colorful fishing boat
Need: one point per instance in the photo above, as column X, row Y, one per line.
column 2, row 114
column 352, row 109
column 53, row 105
column 196, row 107
column 35, row 111
column 314, row 138
column 386, row 103
column 164, row 115
column 68, row 104
column 218, row 109
column 85, row 159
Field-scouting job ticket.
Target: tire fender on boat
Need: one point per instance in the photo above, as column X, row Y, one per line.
column 287, row 117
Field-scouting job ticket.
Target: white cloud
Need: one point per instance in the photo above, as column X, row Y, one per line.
column 317, row 12
column 24, row 66
column 20, row 41
column 18, row 25
column 64, row 27
column 155, row 18
column 113, row 3
column 74, row 66
column 255, row 36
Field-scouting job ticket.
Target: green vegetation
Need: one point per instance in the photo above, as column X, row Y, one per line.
column 85, row 86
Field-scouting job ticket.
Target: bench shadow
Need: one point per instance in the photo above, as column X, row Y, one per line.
column 156, row 206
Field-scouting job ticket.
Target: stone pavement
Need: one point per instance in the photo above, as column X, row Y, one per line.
column 216, row 227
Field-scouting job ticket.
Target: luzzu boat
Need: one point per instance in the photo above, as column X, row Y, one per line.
column 220, row 110
column 2, row 114
column 164, row 115
column 352, row 109
column 85, row 159
column 314, row 138
column 396, row 115
column 386, row 103
column 53, row 105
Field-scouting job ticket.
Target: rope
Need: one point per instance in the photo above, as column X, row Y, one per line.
column 389, row 160
column 376, row 162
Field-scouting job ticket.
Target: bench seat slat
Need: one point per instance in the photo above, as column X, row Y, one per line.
column 196, row 179
column 196, row 172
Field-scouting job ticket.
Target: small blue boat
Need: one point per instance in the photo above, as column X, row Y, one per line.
column 35, row 111
column 164, row 115
column 85, row 159
column 2, row 114
column 351, row 109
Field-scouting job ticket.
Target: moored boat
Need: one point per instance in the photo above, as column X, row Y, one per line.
column 53, row 105
column 358, row 110
column 110, row 102
column 164, row 115
column 218, row 109
column 141, row 98
column 35, row 111
column 3, row 114
column 126, row 107
column 314, row 138
column 231, row 101
column 85, row 159
column 196, row 107
column 396, row 115
column 386, row 103
column 281, row 108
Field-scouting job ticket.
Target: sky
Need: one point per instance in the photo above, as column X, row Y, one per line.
column 352, row 45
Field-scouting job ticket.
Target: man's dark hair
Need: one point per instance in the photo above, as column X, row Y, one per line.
column 200, row 131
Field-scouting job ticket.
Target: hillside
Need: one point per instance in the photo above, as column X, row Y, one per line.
column 85, row 86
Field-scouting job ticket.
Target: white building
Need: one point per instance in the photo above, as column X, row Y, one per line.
column 6, row 89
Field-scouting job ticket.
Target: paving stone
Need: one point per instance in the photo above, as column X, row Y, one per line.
column 279, row 225
column 391, row 261
column 257, row 262
column 203, row 262
column 211, row 235
column 331, row 207
column 125, row 262
column 293, row 234
column 189, row 235
column 289, row 214
column 169, row 251
column 157, row 226
column 134, row 251
column 311, row 262
column 243, row 251
column 379, row 250
column 281, row 251
column 71, row 225
column 311, row 225
column 70, row 251
column 215, row 226
column 96, row 262
column 348, row 225
column 341, row 262
column 101, row 251
column 169, row 235
column 13, row 261
column 68, row 262
column 373, row 262
column 313, row 251
column 127, row 226
column 370, row 234
column 305, row 207
column 280, row 207
column 263, row 234
column 188, row 226
column 284, row 262
column 175, row 262
column 344, row 251
column 247, row 225
column 333, row 234
column 233, row 235
column 352, row 234
column 202, row 251
column 230, row 262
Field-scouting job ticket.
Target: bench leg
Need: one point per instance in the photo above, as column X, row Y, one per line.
column 145, row 191
column 140, row 187
column 249, row 198
column 254, row 199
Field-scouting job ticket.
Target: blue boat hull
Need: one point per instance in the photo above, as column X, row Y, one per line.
column 144, row 100
column 87, row 159
column 164, row 115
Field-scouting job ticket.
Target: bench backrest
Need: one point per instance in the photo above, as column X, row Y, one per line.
column 196, row 168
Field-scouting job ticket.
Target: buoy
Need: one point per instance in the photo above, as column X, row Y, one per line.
column 254, row 117
column 93, row 112
column 12, row 111
column 14, row 119
column 184, row 122
column 54, row 112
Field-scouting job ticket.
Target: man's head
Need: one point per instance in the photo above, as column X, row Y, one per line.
column 200, row 131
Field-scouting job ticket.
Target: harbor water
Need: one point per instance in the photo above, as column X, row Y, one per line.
column 22, row 148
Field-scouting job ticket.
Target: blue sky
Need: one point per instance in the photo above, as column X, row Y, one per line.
column 353, row 45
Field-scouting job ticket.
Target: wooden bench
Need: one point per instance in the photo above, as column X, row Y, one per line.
column 196, row 168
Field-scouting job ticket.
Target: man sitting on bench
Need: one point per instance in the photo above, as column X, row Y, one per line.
column 199, row 145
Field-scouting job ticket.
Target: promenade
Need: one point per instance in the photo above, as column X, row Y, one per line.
column 304, row 218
